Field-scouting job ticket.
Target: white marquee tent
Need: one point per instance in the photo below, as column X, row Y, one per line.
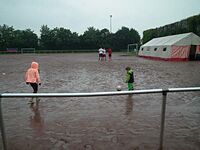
column 175, row 47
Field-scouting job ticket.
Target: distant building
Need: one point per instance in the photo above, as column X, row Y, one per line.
column 180, row 47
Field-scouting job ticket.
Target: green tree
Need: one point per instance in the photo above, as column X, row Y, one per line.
column 46, row 38
column 125, row 36
column 10, row 38
column 65, row 39
column 25, row 39
column 90, row 38
column 191, row 24
column 104, row 38
column 58, row 38
column 30, row 39
column 6, row 37
column 148, row 35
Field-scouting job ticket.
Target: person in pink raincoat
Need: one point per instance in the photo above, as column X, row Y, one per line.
column 32, row 77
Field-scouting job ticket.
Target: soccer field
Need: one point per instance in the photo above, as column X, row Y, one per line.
column 99, row 123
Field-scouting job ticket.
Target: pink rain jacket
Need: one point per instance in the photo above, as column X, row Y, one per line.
column 32, row 74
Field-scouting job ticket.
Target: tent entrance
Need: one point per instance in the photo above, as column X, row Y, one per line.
column 192, row 54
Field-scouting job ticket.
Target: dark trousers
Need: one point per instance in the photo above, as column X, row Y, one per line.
column 35, row 87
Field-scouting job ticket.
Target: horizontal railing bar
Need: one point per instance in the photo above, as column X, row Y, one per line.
column 6, row 95
column 189, row 89
column 93, row 94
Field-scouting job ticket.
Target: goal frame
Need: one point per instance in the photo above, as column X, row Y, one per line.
column 132, row 44
column 27, row 50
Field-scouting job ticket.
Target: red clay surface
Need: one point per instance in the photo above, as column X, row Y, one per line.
column 99, row 123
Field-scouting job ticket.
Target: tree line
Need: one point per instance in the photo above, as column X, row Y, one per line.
column 64, row 39
column 191, row 24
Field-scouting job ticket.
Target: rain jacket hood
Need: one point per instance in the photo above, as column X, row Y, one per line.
column 34, row 65
column 130, row 76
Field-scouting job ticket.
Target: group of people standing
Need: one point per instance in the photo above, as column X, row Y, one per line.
column 102, row 54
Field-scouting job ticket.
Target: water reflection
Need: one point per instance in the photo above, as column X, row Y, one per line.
column 37, row 122
column 129, row 104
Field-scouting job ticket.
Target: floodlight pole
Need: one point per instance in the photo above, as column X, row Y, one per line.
column 110, row 23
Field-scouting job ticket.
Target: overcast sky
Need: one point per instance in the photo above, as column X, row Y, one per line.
column 78, row 15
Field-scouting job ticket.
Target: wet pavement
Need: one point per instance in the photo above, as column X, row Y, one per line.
column 99, row 123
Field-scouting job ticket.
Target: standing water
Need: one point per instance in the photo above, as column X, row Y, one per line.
column 100, row 123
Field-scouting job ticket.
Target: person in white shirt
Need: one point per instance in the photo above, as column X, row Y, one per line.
column 100, row 53
column 104, row 54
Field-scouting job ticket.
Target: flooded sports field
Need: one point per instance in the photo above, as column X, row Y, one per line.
column 99, row 123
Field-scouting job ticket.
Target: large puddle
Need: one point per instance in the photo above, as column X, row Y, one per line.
column 100, row 123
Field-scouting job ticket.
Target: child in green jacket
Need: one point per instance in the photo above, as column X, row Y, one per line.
column 130, row 78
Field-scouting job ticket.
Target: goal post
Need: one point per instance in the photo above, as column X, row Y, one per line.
column 27, row 50
column 132, row 47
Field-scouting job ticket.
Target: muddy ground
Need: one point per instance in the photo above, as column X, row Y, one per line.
column 99, row 123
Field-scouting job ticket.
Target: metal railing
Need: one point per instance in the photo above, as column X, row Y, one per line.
column 95, row 94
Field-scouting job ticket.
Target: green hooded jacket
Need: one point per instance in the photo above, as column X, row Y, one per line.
column 130, row 76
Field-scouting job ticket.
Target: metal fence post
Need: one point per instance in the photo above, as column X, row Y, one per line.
column 164, row 93
column 2, row 128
